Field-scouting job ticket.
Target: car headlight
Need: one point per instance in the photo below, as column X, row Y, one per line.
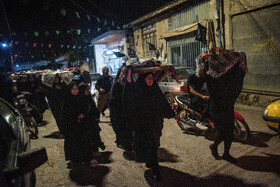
column 265, row 112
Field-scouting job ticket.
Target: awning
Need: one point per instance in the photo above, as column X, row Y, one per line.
column 110, row 36
column 180, row 31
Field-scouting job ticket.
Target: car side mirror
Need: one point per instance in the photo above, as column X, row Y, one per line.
column 27, row 161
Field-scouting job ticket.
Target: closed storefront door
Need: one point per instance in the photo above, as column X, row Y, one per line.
column 184, row 50
column 258, row 35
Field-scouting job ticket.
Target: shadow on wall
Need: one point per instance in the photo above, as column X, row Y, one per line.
column 104, row 157
column 55, row 135
column 85, row 175
column 267, row 163
column 172, row 177
column 165, row 156
column 259, row 139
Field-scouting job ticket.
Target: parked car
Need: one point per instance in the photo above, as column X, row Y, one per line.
column 17, row 161
column 171, row 88
column 94, row 77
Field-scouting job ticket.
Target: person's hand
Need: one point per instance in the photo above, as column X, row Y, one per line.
column 205, row 55
column 101, row 90
column 81, row 116
column 27, row 93
column 177, row 117
column 128, row 76
column 205, row 97
column 57, row 87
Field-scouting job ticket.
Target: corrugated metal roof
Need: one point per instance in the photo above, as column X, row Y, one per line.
column 110, row 33
column 167, row 9
column 192, row 14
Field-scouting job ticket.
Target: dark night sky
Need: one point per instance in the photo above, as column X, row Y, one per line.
column 25, row 15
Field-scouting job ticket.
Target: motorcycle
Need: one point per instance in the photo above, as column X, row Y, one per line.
column 33, row 104
column 25, row 109
column 189, row 117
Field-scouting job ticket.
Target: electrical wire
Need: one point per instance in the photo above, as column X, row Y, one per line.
column 104, row 12
column 6, row 19
column 83, row 9
column 73, row 11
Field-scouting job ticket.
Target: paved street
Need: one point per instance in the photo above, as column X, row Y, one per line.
column 185, row 160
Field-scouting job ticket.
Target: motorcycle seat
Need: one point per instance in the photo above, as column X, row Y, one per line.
column 20, row 96
column 28, row 109
column 23, row 102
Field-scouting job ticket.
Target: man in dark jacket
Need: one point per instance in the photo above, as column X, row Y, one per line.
column 85, row 76
column 103, row 85
column 198, row 98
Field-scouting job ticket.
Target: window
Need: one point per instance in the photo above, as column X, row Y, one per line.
column 149, row 36
column 185, row 54
column 175, row 55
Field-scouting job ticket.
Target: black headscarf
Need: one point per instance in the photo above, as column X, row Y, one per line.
column 153, row 102
column 150, row 94
column 116, row 92
column 82, row 87
column 118, row 74
column 71, row 99
column 71, row 109
column 144, row 75
column 84, row 99
column 59, row 81
column 88, row 106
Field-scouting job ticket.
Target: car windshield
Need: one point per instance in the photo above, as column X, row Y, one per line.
column 95, row 76
column 184, row 73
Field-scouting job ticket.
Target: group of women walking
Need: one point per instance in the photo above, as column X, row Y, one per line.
column 79, row 125
column 137, row 110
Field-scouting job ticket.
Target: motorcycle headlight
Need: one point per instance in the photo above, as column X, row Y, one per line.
column 265, row 112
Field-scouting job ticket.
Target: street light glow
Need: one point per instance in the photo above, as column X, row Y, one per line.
column 4, row 45
column 109, row 52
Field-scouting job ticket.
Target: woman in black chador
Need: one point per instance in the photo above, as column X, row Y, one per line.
column 153, row 108
column 55, row 96
column 116, row 109
column 225, row 74
column 223, row 93
column 76, row 146
column 89, row 123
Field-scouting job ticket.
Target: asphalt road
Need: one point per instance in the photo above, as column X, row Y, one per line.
column 185, row 159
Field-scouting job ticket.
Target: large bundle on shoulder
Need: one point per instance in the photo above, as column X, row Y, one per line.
column 225, row 72
column 159, row 71
column 221, row 63
column 49, row 76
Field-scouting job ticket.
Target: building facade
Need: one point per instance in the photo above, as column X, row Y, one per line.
column 178, row 32
column 253, row 27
